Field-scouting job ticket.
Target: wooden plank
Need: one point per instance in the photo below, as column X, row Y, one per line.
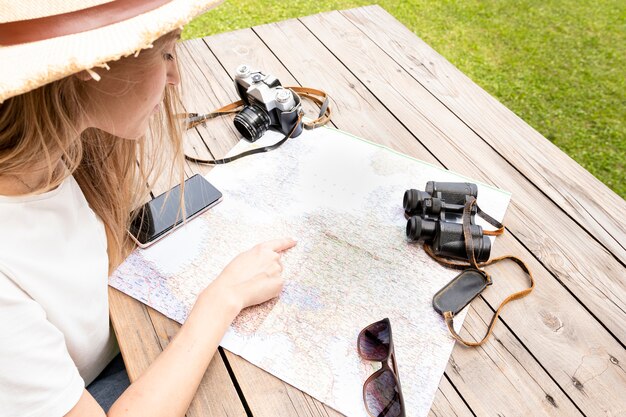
column 501, row 377
column 141, row 342
column 202, row 96
column 448, row 402
column 269, row 396
column 591, row 203
column 216, row 394
column 550, row 298
column 351, row 112
column 559, row 333
column 136, row 336
column 581, row 263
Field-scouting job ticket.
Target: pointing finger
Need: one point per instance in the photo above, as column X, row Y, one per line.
column 279, row 245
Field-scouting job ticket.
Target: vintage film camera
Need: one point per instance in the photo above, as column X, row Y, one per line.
column 435, row 216
column 267, row 104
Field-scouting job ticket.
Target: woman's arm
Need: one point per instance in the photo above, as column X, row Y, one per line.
column 169, row 384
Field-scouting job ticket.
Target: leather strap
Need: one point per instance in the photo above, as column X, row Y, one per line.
column 317, row 96
column 320, row 98
column 467, row 232
column 469, row 247
column 194, row 119
column 486, row 217
column 491, row 221
column 48, row 27
column 247, row 153
column 449, row 317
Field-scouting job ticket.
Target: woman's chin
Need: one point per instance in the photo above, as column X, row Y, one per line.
column 132, row 134
column 137, row 131
column 128, row 130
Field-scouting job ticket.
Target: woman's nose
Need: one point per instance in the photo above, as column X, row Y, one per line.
column 173, row 76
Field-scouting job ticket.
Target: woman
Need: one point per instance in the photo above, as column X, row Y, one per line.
column 73, row 119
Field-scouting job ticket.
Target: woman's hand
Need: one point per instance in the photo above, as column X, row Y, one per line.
column 251, row 278
column 254, row 276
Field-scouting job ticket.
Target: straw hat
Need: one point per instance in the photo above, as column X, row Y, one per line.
column 43, row 41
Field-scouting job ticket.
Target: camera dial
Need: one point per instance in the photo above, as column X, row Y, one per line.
column 242, row 71
column 283, row 96
column 284, row 99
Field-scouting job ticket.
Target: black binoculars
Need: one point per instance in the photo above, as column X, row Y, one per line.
column 435, row 216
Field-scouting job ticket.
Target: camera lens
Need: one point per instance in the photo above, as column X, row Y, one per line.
column 252, row 122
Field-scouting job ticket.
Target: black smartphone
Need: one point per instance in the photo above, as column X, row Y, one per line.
column 163, row 214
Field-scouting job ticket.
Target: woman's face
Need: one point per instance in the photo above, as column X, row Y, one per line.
column 128, row 94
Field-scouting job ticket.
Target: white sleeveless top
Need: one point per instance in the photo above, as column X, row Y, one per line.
column 55, row 335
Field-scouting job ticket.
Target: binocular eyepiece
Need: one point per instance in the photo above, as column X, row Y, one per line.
column 430, row 212
column 440, row 199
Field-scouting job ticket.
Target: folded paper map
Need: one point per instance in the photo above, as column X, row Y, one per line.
column 340, row 197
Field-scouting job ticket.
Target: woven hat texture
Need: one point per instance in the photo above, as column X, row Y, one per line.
column 26, row 66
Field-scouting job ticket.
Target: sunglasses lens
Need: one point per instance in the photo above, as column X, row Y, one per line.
column 381, row 396
column 374, row 341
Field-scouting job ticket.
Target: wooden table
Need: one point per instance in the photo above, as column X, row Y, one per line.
column 559, row 351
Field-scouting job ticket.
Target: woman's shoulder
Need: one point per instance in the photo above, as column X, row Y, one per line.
column 21, row 199
column 50, row 229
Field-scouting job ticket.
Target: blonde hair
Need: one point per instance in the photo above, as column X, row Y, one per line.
column 39, row 129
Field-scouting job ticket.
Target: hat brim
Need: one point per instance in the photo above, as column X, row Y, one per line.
column 28, row 66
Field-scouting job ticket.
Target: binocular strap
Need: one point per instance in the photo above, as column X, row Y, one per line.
column 469, row 246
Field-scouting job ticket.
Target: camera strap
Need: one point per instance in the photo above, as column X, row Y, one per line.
column 319, row 97
column 473, row 265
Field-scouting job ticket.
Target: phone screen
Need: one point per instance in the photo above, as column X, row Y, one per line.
column 160, row 215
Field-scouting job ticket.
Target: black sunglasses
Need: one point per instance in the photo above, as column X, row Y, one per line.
column 381, row 391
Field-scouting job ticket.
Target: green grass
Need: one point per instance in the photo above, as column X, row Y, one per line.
column 560, row 65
